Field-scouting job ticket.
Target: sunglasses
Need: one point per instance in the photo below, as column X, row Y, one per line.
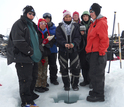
column 91, row 11
column 41, row 23
column 31, row 13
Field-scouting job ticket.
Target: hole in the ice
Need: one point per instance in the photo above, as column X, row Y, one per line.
column 66, row 97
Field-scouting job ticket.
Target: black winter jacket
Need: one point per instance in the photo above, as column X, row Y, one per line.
column 61, row 36
column 19, row 49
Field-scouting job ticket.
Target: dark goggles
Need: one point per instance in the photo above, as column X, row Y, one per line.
column 47, row 15
column 91, row 11
column 31, row 13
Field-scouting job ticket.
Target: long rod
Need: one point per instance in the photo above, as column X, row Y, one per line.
column 112, row 42
column 119, row 45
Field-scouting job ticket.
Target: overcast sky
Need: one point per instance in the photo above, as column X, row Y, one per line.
column 11, row 10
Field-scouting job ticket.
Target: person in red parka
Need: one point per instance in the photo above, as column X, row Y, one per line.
column 96, row 48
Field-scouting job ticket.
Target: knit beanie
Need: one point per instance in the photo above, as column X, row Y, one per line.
column 42, row 19
column 65, row 12
column 75, row 13
column 96, row 8
column 28, row 9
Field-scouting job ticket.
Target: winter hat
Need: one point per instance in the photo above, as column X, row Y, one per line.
column 85, row 13
column 75, row 13
column 47, row 15
column 65, row 12
column 42, row 19
column 28, row 9
column 96, row 8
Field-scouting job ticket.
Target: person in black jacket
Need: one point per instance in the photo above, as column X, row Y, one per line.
column 23, row 49
column 68, row 39
column 82, row 54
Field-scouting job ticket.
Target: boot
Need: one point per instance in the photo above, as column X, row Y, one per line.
column 95, row 99
column 53, row 80
column 84, row 83
column 74, row 82
column 35, row 96
column 53, row 74
column 39, row 89
column 66, row 81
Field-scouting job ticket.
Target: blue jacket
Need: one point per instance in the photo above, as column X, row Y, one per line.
column 52, row 31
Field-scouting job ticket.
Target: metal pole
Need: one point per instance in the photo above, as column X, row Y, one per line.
column 112, row 42
column 119, row 45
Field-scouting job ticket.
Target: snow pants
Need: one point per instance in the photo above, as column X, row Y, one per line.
column 97, row 73
column 42, row 73
column 27, row 75
column 84, row 66
column 52, row 66
column 74, row 67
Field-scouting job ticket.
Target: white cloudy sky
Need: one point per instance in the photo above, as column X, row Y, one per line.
column 10, row 10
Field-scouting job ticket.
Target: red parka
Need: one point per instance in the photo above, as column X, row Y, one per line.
column 97, row 39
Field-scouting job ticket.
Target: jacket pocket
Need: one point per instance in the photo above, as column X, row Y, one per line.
column 22, row 58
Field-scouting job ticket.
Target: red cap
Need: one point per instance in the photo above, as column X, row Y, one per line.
column 76, row 13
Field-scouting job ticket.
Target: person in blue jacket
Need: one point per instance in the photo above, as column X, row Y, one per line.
column 53, row 56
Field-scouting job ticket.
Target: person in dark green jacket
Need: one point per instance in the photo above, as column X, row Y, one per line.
column 24, row 49
column 85, row 21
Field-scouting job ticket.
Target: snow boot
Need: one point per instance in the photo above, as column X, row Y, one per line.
column 34, row 96
column 39, row 89
column 74, row 82
column 84, row 83
column 66, row 81
column 28, row 105
column 95, row 99
column 55, row 82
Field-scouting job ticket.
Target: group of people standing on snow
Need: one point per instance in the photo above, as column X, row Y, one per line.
column 33, row 47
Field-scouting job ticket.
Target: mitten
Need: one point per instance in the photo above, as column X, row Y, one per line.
column 45, row 41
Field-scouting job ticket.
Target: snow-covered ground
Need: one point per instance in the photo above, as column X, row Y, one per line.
column 114, row 89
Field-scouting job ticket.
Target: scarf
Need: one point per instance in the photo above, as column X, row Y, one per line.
column 36, row 57
column 67, row 27
column 86, row 24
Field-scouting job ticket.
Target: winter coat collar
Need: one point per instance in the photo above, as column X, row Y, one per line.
column 98, row 17
column 71, row 30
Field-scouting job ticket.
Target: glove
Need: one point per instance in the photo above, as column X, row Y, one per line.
column 101, row 59
column 45, row 41
column 43, row 61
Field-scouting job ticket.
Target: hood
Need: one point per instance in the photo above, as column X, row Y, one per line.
column 98, row 17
